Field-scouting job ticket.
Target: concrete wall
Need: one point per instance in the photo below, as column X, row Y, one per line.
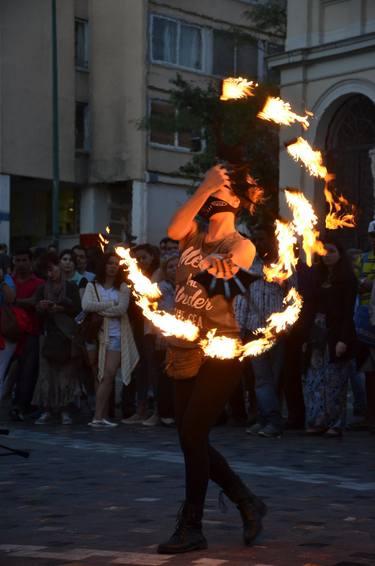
column 25, row 59
column 337, row 60
column 118, row 89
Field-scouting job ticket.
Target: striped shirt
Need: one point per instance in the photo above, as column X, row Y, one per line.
column 261, row 300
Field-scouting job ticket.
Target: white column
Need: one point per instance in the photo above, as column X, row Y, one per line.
column 372, row 163
column 139, row 211
column 5, row 209
column 94, row 210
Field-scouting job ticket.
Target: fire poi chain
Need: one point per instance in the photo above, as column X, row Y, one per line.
column 341, row 214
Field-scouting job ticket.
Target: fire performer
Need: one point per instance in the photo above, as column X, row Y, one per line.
column 203, row 386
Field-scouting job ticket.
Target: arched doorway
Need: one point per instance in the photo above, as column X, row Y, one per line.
column 350, row 136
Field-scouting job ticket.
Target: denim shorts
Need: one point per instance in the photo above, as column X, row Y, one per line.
column 114, row 344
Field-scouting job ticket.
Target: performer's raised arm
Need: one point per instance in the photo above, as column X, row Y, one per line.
column 183, row 223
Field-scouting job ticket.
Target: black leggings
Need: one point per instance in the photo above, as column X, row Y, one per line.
column 198, row 404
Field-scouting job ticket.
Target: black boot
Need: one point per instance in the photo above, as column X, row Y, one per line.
column 188, row 535
column 251, row 508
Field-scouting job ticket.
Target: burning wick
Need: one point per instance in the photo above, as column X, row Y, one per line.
column 304, row 222
column 280, row 112
column 284, row 268
column 341, row 212
column 301, row 150
column 235, row 88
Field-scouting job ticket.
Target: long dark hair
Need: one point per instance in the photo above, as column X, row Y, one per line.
column 100, row 270
column 342, row 271
column 151, row 250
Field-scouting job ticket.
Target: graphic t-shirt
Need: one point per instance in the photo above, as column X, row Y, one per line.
column 191, row 299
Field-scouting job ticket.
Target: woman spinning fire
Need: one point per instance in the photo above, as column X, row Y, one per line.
column 203, row 386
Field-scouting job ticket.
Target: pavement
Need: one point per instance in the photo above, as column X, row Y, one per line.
column 107, row 497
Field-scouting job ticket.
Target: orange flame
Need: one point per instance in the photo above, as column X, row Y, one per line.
column 103, row 242
column 284, row 267
column 280, row 112
column 341, row 212
column 304, row 221
column 221, row 347
column 147, row 293
column 301, row 150
column 276, row 323
column 235, row 88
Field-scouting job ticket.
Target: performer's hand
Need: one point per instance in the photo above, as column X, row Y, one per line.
column 219, row 266
column 215, row 178
column 340, row 349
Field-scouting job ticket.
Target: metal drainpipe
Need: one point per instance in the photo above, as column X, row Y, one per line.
column 55, row 133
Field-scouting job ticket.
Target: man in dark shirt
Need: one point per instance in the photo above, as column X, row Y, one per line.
column 26, row 283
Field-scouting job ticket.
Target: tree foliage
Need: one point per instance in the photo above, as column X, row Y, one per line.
column 227, row 128
column 270, row 17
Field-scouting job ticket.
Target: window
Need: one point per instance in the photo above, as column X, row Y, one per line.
column 82, row 139
column 176, row 43
column 234, row 56
column 81, row 44
column 273, row 74
column 163, row 123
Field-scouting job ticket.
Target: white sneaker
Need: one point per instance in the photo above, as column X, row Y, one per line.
column 102, row 423
column 167, row 421
column 66, row 419
column 44, row 418
column 134, row 419
column 152, row 421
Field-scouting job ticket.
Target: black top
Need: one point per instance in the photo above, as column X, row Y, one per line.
column 336, row 300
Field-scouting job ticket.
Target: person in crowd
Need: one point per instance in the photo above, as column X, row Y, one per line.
column 7, row 348
column 26, row 283
column 57, row 303
column 167, row 245
column 163, row 410
column 291, row 379
column 145, row 374
column 330, row 347
column 94, row 254
column 365, row 271
column 52, row 249
column 80, row 255
column 358, row 379
column 253, row 309
column 5, row 261
column 108, row 295
column 203, row 387
column 69, row 268
column 39, row 262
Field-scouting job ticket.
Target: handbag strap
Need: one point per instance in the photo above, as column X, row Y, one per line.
column 96, row 292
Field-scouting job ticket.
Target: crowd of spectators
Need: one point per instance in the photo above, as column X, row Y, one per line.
column 50, row 370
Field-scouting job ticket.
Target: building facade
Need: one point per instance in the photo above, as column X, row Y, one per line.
column 115, row 63
column 328, row 67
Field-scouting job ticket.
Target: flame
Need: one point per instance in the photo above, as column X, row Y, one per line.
column 304, row 221
column 235, row 88
column 341, row 212
column 141, row 284
column 222, row 347
column 107, row 229
column 301, row 150
column 276, row 323
column 102, row 241
column 283, row 269
column 147, row 293
column 280, row 112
